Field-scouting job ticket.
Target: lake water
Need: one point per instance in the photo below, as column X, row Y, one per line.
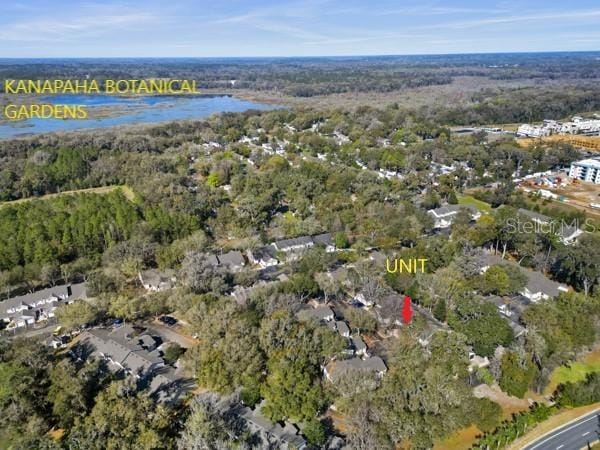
column 139, row 110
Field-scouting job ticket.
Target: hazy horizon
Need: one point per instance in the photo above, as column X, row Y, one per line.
column 348, row 56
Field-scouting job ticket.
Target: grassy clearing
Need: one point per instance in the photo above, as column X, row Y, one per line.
column 126, row 190
column 470, row 200
column 462, row 439
column 576, row 372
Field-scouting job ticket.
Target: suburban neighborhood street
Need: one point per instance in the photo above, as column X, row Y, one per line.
column 573, row 436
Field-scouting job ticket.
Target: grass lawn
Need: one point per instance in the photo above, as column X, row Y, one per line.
column 469, row 200
column 576, row 372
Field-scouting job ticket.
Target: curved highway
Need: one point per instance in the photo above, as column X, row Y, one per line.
column 575, row 435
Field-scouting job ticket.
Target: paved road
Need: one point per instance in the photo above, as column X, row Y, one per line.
column 171, row 334
column 573, row 436
column 42, row 333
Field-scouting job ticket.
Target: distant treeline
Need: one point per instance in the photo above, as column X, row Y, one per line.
column 522, row 105
column 305, row 77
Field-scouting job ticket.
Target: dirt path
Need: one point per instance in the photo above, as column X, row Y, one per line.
column 508, row 403
column 126, row 190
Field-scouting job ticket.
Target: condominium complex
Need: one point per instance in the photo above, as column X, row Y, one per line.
column 586, row 170
column 577, row 125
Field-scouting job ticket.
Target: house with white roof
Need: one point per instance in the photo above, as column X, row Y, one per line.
column 444, row 216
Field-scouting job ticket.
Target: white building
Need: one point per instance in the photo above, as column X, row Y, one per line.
column 444, row 216
column 586, row 170
column 578, row 125
column 528, row 130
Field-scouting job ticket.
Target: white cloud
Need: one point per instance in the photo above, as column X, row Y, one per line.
column 564, row 17
column 67, row 28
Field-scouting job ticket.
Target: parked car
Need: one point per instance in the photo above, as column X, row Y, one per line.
column 168, row 320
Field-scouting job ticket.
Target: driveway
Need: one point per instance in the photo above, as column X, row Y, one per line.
column 171, row 334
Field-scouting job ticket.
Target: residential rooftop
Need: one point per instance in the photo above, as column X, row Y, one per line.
column 54, row 295
column 337, row 369
column 319, row 313
column 448, row 210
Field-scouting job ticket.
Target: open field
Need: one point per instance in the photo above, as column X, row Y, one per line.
column 577, row 197
column 459, row 92
column 469, row 200
column 460, row 440
column 576, row 372
column 574, row 207
column 581, row 192
column 126, row 190
column 552, row 423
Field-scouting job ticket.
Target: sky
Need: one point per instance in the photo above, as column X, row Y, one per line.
column 220, row 28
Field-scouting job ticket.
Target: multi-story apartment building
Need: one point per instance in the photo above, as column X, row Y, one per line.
column 586, row 170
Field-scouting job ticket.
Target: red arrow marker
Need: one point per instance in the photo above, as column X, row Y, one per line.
column 407, row 311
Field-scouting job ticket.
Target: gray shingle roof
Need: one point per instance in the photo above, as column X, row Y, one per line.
column 165, row 385
column 565, row 232
column 319, row 313
column 535, row 216
column 517, row 328
column 233, row 258
column 289, row 243
column 358, row 343
column 157, row 278
column 389, row 308
column 212, row 260
column 264, row 253
column 342, row 327
column 288, row 433
column 324, row 239
column 536, row 281
column 373, row 364
column 121, row 346
column 148, row 342
column 230, row 259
